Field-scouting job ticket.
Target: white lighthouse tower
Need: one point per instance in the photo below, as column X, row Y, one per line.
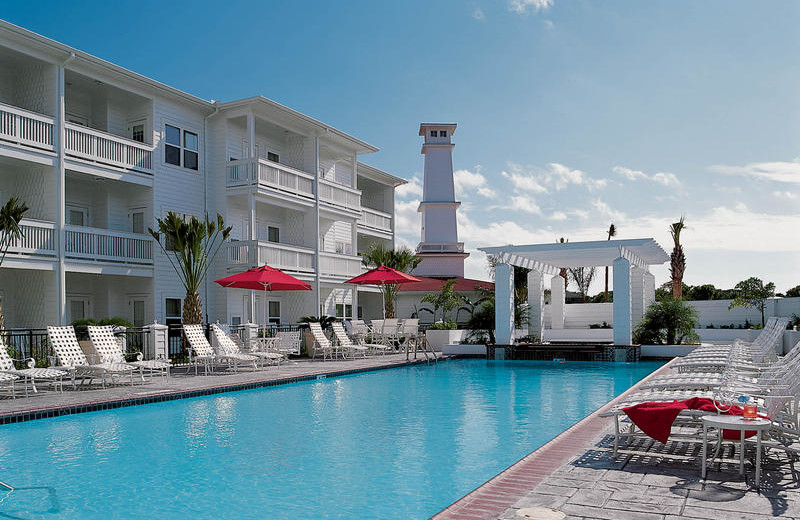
column 441, row 252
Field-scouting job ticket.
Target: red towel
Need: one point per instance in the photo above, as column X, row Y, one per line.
column 655, row 419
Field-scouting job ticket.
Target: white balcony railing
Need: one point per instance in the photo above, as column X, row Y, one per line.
column 339, row 195
column 338, row 265
column 375, row 219
column 436, row 247
column 26, row 128
column 261, row 172
column 280, row 256
column 39, row 239
column 113, row 150
column 107, row 245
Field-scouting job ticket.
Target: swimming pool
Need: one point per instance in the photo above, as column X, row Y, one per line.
column 399, row 443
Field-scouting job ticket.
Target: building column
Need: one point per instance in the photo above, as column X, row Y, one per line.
column 504, row 304
column 59, row 134
column 622, row 301
column 557, row 302
column 251, row 137
column 316, row 285
column 535, row 303
column 637, row 295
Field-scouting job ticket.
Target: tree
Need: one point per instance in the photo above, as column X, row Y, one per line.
column 794, row 292
column 470, row 304
column 669, row 321
column 483, row 317
column 446, row 299
column 753, row 293
column 583, row 277
column 677, row 260
column 10, row 232
column 612, row 232
column 402, row 259
column 191, row 245
column 701, row 292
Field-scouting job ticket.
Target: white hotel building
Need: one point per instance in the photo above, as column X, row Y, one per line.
column 99, row 152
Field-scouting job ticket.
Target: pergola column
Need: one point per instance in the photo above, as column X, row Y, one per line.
column 649, row 289
column 637, row 295
column 504, row 304
column 622, row 301
column 535, row 303
column 557, row 302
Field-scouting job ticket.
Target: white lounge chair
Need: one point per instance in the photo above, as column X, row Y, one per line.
column 110, row 351
column 229, row 349
column 30, row 374
column 344, row 342
column 200, row 350
column 321, row 342
column 70, row 357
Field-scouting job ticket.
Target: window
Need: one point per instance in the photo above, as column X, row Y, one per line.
column 434, row 133
column 274, row 312
column 236, row 321
column 179, row 143
column 78, row 309
column 273, row 234
column 172, row 308
column 344, row 310
column 273, row 157
column 137, row 220
column 442, row 133
column 77, row 215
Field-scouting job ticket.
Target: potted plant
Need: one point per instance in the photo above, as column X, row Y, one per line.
column 308, row 338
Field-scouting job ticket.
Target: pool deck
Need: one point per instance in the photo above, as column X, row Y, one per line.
column 575, row 474
column 180, row 384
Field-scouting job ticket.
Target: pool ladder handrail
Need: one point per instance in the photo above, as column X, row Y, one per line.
column 425, row 348
column 8, row 487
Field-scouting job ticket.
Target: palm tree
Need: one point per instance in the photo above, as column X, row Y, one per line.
column 191, row 245
column 10, row 232
column 677, row 260
column 402, row 259
column 612, row 232
column 563, row 272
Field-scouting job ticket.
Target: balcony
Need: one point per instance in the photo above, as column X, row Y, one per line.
column 111, row 150
column 375, row 220
column 340, row 196
column 436, row 247
column 273, row 176
column 39, row 239
column 105, row 245
column 249, row 253
column 339, row 265
column 26, row 128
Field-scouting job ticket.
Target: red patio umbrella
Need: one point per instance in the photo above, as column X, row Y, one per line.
column 266, row 278
column 381, row 276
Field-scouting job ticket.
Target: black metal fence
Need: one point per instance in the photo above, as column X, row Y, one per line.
column 178, row 348
column 23, row 344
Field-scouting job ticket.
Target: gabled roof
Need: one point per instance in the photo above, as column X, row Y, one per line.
column 435, row 284
column 381, row 176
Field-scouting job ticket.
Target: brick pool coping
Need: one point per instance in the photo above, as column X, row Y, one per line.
column 491, row 499
column 93, row 403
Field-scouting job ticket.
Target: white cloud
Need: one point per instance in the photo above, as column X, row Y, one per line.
column 466, row 181
column 548, row 24
column 554, row 176
column 558, row 216
column 477, row 13
column 663, row 178
column 785, row 194
column 772, row 171
column 524, row 203
column 523, row 6
column 607, row 211
column 407, row 219
column 412, row 188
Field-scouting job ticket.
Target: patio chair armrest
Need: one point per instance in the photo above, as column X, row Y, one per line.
column 52, row 360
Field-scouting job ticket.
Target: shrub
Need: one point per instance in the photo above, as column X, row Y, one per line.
column 444, row 325
column 669, row 322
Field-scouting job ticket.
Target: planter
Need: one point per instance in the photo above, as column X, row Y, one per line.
column 464, row 350
column 438, row 338
column 308, row 340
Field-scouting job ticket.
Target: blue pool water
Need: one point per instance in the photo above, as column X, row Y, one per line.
column 399, row 443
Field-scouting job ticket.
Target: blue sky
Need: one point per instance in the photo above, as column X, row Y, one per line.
column 572, row 113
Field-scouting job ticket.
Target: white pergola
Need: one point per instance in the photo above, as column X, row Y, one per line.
column 634, row 285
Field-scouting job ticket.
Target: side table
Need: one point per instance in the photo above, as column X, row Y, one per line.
column 740, row 424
